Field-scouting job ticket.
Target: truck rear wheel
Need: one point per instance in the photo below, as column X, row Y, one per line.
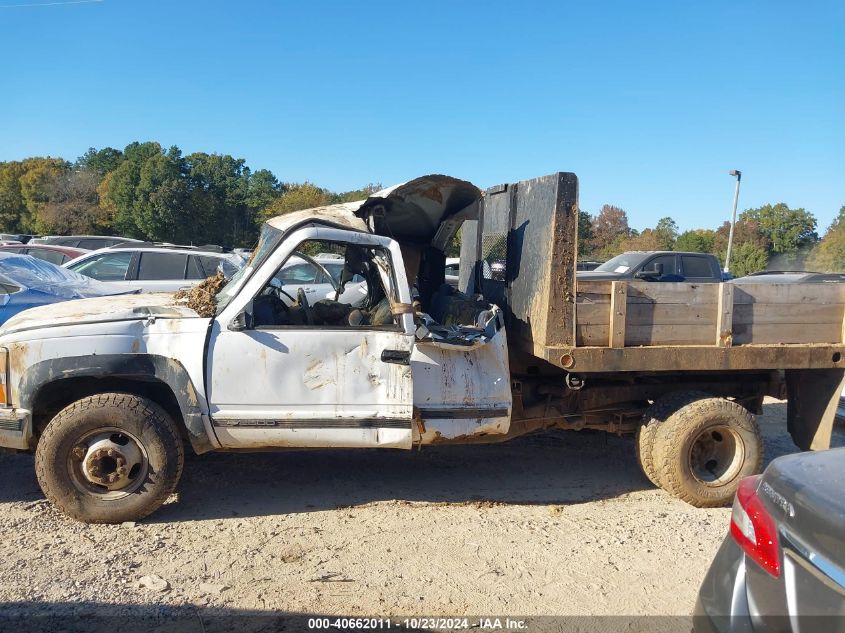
column 109, row 458
column 654, row 416
column 703, row 450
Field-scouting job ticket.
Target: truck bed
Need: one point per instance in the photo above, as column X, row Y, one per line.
column 638, row 326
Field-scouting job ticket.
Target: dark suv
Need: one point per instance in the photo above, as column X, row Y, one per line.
column 657, row 266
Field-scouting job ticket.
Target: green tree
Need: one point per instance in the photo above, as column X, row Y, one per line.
column 12, row 205
column 585, row 234
column 358, row 194
column 787, row 230
column 696, row 241
column 666, row 232
column 748, row 258
column 100, row 161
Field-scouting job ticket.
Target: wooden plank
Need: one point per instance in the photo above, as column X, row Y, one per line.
column 786, row 333
column 665, row 292
column 643, row 335
column 698, row 357
column 670, row 314
column 593, row 313
column 591, row 335
column 724, row 315
column 668, row 335
column 618, row 311
column 748, row 313
column 789, row 293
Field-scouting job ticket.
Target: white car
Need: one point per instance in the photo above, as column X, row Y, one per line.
column 154, row 268
column 319, row 278
column 453, row 267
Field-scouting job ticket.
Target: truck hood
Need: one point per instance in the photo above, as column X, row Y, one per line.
column 99, row 310
column 594, row 275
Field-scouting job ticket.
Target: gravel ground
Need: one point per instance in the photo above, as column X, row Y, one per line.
column 556, row 524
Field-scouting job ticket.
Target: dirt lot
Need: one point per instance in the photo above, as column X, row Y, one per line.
column 556, row 524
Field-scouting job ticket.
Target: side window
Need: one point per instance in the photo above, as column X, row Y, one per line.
column 161, row 266
column 298, row 273
column 667, row 261
column 696, row 266
column 105, row 267
column 93, row 245
column 303, row 292
column 54, row 257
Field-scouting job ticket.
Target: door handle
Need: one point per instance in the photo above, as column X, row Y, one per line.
column 395, row 356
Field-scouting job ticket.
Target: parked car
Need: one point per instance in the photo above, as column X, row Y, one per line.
column 26, row 282
column 319, row 277
column 453, row 266
column 791, row 277
column 782, row 565
column 23, row 238
column 87, row 242
column 154, row 268
column 585, row 265
column 657, row 266
column 47, row 252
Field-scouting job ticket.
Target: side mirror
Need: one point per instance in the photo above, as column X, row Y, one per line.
column 241, row 322
column 656, row 270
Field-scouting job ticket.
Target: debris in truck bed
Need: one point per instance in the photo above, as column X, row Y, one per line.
column 202, row 297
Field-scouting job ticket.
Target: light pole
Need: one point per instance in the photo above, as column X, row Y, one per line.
column 738, row 174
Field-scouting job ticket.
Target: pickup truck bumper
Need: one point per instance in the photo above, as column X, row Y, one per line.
column 15, row 428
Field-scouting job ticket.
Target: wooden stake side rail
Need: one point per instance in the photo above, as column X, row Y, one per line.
column 642, row 326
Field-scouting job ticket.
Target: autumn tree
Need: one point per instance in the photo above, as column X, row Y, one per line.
column 72, row 205
column 829, row 254
column 608, row 226
column 298, row 197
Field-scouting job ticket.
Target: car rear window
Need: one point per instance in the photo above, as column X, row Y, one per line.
column 54, row 257
column 202, row 266
column 160, row 266
column 105, row 267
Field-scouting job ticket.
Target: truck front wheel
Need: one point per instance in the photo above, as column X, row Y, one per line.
column 109, row 458
column 704, row 449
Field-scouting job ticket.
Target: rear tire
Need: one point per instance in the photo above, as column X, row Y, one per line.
column 703, row 450
column 109, row 458
column 653, row 417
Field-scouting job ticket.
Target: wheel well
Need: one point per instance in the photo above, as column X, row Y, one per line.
column 55, row 396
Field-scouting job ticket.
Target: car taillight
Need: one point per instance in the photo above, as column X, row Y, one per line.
column 753, row 527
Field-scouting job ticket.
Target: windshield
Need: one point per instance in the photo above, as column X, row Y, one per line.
column 622, row 263
column 267, row 242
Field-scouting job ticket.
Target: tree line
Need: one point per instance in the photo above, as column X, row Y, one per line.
column 149, row 193
column 773, row 237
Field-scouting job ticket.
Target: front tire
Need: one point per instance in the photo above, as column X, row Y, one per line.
column 704, row 449
column 109, row 458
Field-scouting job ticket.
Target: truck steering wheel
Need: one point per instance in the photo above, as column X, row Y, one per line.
column 302, row 300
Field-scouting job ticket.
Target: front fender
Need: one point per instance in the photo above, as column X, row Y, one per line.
column 138, row 367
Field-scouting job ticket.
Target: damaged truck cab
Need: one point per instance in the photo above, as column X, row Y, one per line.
column 380, row 352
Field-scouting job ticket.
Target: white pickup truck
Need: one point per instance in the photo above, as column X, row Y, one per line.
column 108, row 391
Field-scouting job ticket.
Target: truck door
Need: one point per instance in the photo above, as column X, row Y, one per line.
column 285, row 372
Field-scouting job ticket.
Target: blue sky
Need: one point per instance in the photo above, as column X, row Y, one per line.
column 650, row 103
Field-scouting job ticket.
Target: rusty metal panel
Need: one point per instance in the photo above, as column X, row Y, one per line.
column 532, row 227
